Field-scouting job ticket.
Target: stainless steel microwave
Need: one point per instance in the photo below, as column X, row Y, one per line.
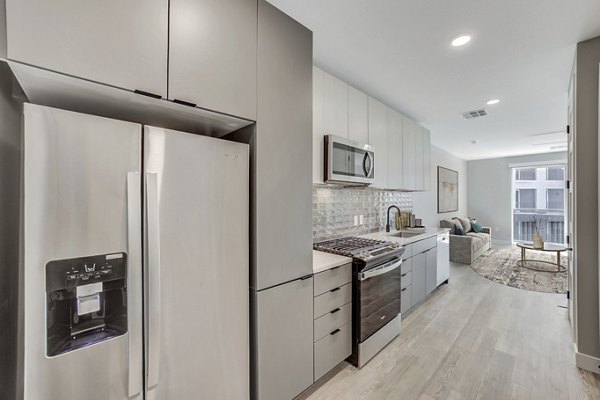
column 347, row 161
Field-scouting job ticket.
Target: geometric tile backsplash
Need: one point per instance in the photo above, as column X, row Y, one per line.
column 334, row 210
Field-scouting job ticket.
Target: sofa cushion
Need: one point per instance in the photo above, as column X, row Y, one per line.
column 484, row 237
column 452, row 225
column 476, row 227
column 476, row 243
column 464, row 222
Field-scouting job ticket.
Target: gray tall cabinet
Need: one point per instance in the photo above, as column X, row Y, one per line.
column 281, row 279
column 584, row 167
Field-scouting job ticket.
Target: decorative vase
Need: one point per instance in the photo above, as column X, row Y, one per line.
column 538, row 243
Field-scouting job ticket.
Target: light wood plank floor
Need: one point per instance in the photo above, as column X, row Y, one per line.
column 473, row 339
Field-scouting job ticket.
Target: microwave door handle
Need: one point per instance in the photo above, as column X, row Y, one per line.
column 134, row 282
column 384, row 269
column 370, row 164
column 153, row 276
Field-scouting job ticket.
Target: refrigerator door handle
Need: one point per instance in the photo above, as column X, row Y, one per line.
column 134, row 282
column 153, row 274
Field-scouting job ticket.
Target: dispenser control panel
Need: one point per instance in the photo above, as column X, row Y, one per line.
column 66, row 274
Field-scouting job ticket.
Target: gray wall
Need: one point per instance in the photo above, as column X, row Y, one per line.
column 586, row 197
column 489, row 191
column 10, row 166
column 425, row 203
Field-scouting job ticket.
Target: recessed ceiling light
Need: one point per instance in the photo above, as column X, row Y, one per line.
column 493, row 101
column 461, row 40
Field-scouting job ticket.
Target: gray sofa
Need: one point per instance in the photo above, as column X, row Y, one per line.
column 466, row 249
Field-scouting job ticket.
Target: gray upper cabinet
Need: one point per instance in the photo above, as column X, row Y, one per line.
column 394, row 149
column 358, row 116
column 419, row 160
column 212, row 54
column 408, row 153
column 284, row 339
column 120, row 43
column 282, row 223
column 426, row 159
column 378, row 138
column 332, row 116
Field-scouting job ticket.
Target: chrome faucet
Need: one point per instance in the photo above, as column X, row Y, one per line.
column 387, row 224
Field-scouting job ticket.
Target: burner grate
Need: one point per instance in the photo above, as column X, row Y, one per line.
column 349, row 246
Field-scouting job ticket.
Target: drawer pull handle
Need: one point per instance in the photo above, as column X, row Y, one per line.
column 334, row 332
column 335, row 290
column 403, row 290
column 336, row 310
column 404, row 274
column 306, row 277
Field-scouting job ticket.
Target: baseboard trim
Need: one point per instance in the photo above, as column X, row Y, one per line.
column 587, row 362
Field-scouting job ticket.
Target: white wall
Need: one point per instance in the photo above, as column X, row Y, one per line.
column 425, row 203
column 489, row 191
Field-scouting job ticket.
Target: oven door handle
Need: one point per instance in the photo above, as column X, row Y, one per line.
column 384, row 269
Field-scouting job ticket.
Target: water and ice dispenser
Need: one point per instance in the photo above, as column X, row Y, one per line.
column 86, row 301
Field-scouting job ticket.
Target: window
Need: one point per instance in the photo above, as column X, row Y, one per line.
column 525, row 198
column 525, row 174
column 539, row 201
column 555, row 174
column 555, row 199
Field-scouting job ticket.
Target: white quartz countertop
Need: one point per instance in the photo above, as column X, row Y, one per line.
column 323, row 261
column 394, row 237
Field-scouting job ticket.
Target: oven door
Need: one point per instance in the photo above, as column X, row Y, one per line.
column 348, row 161
column 379, row 297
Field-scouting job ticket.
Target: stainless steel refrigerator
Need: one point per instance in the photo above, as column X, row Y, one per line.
column 134, row 261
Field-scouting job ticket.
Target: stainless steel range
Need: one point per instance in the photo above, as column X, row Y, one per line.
column 376, row 292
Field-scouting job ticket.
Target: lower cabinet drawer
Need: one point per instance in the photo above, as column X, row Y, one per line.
column 406, row 299
column 424, row 245
column 332, row 299
column 408, row 252
column 405, row 279
column 406, row 266
column 331, row 321
column 332, row 350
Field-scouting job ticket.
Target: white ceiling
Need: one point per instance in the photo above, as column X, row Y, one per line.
column 399, row 52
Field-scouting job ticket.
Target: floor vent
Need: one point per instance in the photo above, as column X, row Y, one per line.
column 474, row 114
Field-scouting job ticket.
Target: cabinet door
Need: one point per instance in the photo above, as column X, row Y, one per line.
column 334, row 105
column 419, row 160
column 120, row 43
column 318, row 152
column 419, row 277
column 408, row 152
column 379, row 140
column 431, row 273
column 358, row 116
column 282, row 179
column 284, row 340
column 395, row 149
column 426, row 159
column 212, row 54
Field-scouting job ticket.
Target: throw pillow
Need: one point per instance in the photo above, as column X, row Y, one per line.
column 459, row 231
column 476, row 227
column 466, row 225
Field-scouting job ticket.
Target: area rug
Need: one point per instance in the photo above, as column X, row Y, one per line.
column 500, row 265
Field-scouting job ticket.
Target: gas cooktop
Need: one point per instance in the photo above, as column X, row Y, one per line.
column 356, row 247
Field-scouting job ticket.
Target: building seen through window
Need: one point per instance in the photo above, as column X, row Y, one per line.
column 539, row 193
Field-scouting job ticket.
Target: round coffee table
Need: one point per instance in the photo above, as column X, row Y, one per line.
column 552, row 248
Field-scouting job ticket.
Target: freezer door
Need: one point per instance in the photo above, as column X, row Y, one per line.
column 197, row 302
column 81, row 187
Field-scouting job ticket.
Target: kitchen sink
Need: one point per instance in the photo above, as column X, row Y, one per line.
column 404, row 234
